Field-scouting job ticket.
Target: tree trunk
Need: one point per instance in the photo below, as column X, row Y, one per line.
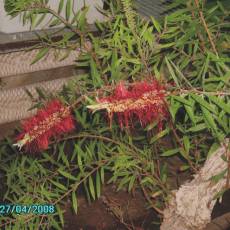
column 192, row 205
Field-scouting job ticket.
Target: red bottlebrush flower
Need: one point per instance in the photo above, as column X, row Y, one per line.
column 53, row 120
column 144, row 101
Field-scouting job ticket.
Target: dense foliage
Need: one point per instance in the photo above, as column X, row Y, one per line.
column 187, row 51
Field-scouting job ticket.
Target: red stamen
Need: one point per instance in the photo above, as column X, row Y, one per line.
column 51, row 121
column 143, row 101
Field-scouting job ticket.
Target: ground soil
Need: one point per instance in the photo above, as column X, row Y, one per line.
column 113, row 208
column 113, row 211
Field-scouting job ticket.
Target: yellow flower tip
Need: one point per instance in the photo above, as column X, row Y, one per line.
column 22, row 142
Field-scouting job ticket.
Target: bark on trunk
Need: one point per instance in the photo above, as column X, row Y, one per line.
column 192, row 205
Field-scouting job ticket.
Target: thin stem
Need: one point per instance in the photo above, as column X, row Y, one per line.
column 179, row 141
column 206, row 27
column 182, row 146
column 148, row 198
column 75, row 186
column 86, row 45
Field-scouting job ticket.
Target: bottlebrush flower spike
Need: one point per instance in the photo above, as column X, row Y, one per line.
column 144, row 101
column 53, row 120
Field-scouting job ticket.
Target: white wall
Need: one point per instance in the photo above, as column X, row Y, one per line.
column 8, row 25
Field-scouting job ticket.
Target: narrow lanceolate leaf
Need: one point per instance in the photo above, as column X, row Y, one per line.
column 74, row 202
column 60, row 214
column 186, row 144
column 68, row 9
column 98, row 184
column 156, row 24
column 219, row 176
column 91, row 188
column 213, row 148
column 79, row 161
column 160, row 135
column 220, row 103
column 183, row 100
column 208, row 117
column 190, row 113
column 67, row 175
column 40, row 55
column 172, row 73
column 131, row 183
column 102, row 175
column 55, row 22
column 64, row 159
column 94, row 73
column 40, row 20
column 203, row 103
column 60, row 7
column 59, row 185
column 54, row 223
column 181, row 74
column 170, row 152
column 197, row 128
column 184, row 168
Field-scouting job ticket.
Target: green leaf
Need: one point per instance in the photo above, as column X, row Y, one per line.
column 167, row 45
column 209, row 119
column 163, row 173
column 60, row 214
column 175, row 106
column 182, row 100
column 91, row 188
column 40, row 55
column 67, row 175
column 183, row 153
column 220, row 103
column 102, row 175
column 42, row 17
column 97, row 81
column 170, row 152
column 60, row 6
column 79, row 162
column 59, row 185
column 64, row 159
column 156, row 24
column 133, row 60
column 98, row 184
column 125, row 179
column 181, row 74
column 197, row 128
column 212, row 149
column 190, row 112
column 40, row 93
column 74, row 202
column 186, row 144
column 202, row 102
column 55, row 22
column 219, row 176
column 68, row 9
column 159, row 135
column 172, row 72
column 131, row 182
column 54, row 223
column 184, row 168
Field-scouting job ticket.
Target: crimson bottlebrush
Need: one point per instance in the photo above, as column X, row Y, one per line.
column 144, row 101
column 53, row 120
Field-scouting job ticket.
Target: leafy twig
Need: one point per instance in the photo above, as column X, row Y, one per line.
column 206, row 26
